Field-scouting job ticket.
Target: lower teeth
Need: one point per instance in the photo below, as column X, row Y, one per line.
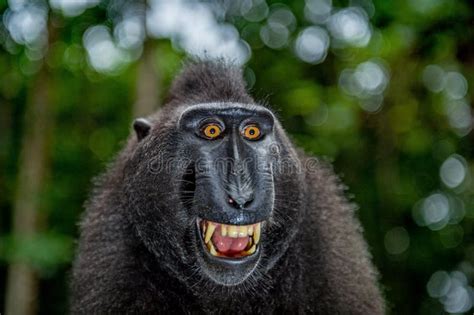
column 251, row 250
column 212, row 250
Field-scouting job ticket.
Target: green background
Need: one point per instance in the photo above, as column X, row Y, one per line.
column 392, row 110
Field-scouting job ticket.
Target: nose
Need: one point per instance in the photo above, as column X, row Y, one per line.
column 240, row 189
column 240, row 202
column 239, row 183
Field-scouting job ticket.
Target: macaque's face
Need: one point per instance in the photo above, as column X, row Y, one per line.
column 233, row 213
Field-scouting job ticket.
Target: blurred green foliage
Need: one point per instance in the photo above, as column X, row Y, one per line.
column 391, row 109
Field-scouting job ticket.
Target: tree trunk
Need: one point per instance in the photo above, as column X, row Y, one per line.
column 148, row 85
column 22, row 282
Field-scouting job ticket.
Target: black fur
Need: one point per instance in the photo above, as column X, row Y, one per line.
column 135, row 253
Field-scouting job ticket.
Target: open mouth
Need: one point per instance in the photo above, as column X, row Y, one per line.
column 230, row 241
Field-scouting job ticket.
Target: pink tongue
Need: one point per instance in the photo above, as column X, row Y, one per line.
column 225, row 244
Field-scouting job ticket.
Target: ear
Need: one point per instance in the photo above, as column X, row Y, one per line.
column 142, row 128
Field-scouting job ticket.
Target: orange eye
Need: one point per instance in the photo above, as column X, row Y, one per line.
column 211, row 131
column 251, row 132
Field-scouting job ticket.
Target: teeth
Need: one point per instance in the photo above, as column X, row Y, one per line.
column 233, row 231
column 251, row 250
column 212, row 250
column 256, row 234
column 209, row 231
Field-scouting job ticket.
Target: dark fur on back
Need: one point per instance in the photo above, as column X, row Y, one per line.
column 131, row 256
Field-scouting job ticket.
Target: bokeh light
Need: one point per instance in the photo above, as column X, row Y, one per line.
column 397, row 240
column 453, row 171
column 434, row 78
column 317, row 11
column 312, row 45
column 459, row 116
column 433, row 211
column 281, row 14
column 130, row 33
column 371, row 77
column 73, row 7
column 26, row 23
column 274, row 35
column 439, row 284
column 455, row 86
column 438, row 210
column 193, row 26
column 350, row 26
column 280, row 23
column 367, row 82
column 254, row 10
column 102, row 52
column 452, row 290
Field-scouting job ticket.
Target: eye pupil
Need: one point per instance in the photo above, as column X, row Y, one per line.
column 251, row 132
column 211, row 131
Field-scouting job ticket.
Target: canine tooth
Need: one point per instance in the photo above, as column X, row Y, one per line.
column 232, row 231
column 212, row 250
column 242, row 231
column 256, row 234
column 251, row 250
column 250, row 230
column 223, row 230
column 209, row 231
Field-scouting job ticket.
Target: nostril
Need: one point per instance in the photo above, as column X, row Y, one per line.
column 247, row 204
column 239, row 204
column 233, row 203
